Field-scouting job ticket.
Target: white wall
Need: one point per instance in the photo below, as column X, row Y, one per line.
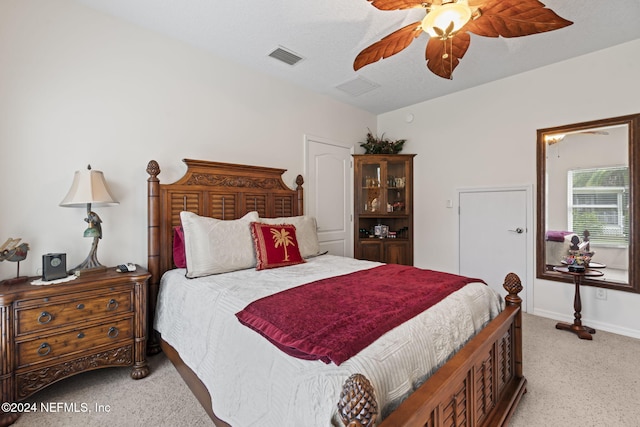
column 78, row 87
column 486, row 137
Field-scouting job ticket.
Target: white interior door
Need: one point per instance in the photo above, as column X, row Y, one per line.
column 494, row 237
column 328, row 193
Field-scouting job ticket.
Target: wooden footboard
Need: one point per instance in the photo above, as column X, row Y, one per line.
column 479, row 386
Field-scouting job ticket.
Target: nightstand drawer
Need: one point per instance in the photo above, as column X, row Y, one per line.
column 78, row 309
column 45, row 348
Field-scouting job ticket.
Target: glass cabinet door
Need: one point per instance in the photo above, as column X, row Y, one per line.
column 396, row 187
column 371, row 194
column 384, row 188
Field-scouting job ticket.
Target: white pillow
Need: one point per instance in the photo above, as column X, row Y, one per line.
column 306, row 232
column 214, row 246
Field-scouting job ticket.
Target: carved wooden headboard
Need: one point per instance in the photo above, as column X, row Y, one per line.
column 218, row 190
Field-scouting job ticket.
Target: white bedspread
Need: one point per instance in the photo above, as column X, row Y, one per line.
column 252, row 383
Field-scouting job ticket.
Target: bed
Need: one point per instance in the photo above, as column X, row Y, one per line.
column 479, row 381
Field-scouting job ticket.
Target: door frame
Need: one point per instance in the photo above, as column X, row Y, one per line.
column 349, row 190
column 527, row 281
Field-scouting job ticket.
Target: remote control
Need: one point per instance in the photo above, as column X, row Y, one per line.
column 125, row 268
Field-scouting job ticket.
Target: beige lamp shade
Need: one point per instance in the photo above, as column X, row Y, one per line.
column 89, row 186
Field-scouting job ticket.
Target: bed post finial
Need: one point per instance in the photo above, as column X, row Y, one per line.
column 358, row 406
column 513, row 285
column 153, row 169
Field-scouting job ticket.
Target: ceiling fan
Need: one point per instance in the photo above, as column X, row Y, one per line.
column 551, row 139
column 449, row 22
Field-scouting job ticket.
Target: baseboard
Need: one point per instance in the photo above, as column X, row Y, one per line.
column 603, row 326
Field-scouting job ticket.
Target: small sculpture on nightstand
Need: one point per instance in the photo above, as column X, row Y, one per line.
column 95, row 227
column 14, row 252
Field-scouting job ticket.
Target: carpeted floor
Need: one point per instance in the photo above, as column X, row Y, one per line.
column 160, row 399
column 578, row 383
column 571, row 382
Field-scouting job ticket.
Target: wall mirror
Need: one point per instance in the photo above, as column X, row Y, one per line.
column 587, row 198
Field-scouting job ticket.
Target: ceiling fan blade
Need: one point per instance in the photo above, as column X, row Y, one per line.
column 515, row 18
column 443, row 56
column 390, row 45
column 397, row 4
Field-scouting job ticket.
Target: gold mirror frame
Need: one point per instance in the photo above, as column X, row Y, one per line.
column 542, row 272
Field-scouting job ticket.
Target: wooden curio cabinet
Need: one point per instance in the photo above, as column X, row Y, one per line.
column 383, row 222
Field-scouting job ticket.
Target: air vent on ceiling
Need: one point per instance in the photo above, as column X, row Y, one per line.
column 285, row 56
column 357, row 86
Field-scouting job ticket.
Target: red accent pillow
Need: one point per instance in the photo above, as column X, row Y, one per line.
column 179, row 254
column 276, row 245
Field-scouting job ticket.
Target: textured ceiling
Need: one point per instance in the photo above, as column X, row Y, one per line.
column 328, row 34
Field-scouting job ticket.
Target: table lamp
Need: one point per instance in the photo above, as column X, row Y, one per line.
column 89, row 187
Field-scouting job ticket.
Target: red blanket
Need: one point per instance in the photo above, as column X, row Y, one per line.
column 333, row 319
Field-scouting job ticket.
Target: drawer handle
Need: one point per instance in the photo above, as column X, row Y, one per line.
column 113, row 332
column 81, row 335
column 45, row 317
column 44, row 349
column 112, row 304
column 80, row 306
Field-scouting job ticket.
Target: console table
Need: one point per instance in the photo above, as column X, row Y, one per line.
column 583, row 332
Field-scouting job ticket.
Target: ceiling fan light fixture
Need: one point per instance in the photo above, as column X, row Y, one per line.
column 444, row 21
column 554, row 138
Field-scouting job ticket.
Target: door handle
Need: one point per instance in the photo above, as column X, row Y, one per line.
column 518, row 230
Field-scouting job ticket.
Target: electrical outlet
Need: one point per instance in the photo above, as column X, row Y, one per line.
column 601, row 293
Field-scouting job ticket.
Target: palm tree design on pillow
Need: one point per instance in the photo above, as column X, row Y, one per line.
column 282, row 238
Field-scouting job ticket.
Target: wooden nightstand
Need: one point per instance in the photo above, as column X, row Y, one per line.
column 51, row 332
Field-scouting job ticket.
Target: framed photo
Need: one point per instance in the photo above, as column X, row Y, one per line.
column 377, row 230
column 384, row 231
